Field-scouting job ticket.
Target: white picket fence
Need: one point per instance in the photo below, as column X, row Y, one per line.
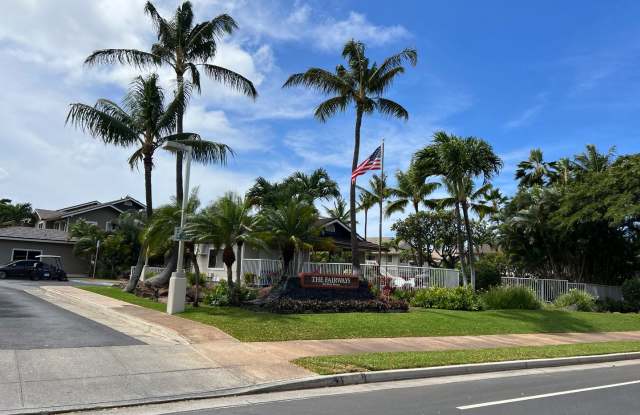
column 262, row 271
column 549, row 289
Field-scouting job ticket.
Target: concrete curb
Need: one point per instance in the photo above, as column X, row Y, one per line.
column 349, row 379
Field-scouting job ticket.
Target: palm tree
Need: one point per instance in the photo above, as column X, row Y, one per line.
column 367, row 201
column 291, row 228
column 19, row 214
column 379, row 192
column 495, row 200
column 412, row 189
column 145, row 123
column 534, row 170
column 339, row 211
column 459, row 161
column 228, row 222
column 592, row 160
column 185, row 47
column 360, row 84
column 563, row 171
column 312, row 187
column 87, row 238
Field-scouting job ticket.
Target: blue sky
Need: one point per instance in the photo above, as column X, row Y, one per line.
column 554, row 75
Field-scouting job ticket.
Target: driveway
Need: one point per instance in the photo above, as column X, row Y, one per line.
column 28, row 322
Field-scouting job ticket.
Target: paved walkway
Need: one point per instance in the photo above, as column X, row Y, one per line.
column 181, row 357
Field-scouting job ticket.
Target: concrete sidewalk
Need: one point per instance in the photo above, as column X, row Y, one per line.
column 183, row 358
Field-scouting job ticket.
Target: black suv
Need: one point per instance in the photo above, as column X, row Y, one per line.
column 35, row 270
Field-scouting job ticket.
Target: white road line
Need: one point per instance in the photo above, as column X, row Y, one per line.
column 546, row 395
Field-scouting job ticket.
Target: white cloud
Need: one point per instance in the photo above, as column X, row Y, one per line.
column 525, row 117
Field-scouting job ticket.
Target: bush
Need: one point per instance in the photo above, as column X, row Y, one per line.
column 191, row 279
column 631, row 293
column 219, row 295
column 614, row 306
column 406, row 295
column 489, row 269
column 581, row 300
column 249, row 278
column 459, row 298
column 287, row 305
column 504, row 298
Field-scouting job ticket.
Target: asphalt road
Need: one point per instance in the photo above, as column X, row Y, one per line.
column 562, row 393
column 28, row 322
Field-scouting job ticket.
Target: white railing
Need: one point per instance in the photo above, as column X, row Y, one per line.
column 549, row 289
column 262, row 272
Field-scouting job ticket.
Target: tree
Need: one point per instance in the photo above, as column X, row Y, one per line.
column 145, row 123
column 534, row 170
column 291, row 229
column 186, row 48
column 592, row 160
column 88, row 236
column 459, row 161
column 366, row 201
column 18, row 214
column 411, row 189
column 360, row 84
column 339, row 211
column 418, row 231
column 379, row 192
column 299, row 186
column 228, row 222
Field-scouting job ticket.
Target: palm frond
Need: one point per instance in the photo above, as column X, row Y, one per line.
column 231, row 79
column 101, row 125
column 207, row 152
column 391, row 108
column 134, row 57
column 321, row 80
column 331, row 106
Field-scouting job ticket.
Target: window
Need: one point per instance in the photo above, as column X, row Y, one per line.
column 40, row 225
column 389, row 258
column 108, row 226
column 212, row 258
column 25, row 254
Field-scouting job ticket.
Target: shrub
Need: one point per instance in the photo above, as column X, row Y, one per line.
column 191, row 279
column 503, row 298
column 614, row 306
column 406, row 295
column 459, row 298
column 488, row 270
column 219, row 295
column 249, row 278
column 285, row 305
column 631, row 292
column 581, row 300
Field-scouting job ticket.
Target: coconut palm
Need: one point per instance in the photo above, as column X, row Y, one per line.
column 563, row 171
column 292, row 229
column 379, row 192
column 339, row 211
column 366, row 201
column 592, row 160
column 534, row 170
column 411, row 189
column 186, row 48
column 145, row 123
column 360, row 84
column 459, row 161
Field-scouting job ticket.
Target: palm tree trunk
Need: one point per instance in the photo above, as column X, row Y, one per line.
column 179, row 130
column 238, row 271
column 467, row 225
column 420, row 256
column 460, row 245
column 196, row 270
column 365, row 223
column 228, row 258
column 135, row 277
column 355, row 252
column 162, row 279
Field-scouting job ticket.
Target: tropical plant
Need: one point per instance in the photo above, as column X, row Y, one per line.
column 592, row 160
column 365, row 202
column 88, row 236
column 299, row 186
column 459, row 161
column 18, row 214
column 510, row 298
column 534, row 170
column 360, row 84
column 186, row 48
column 379, row 192
column 411, row 189
column 339, row 211
column 580, row 300
column 292, row 229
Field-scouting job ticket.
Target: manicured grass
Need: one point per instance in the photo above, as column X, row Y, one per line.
column 248, row 325
column 365, row 362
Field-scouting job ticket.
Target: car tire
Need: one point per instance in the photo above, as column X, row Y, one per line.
column 3, row 275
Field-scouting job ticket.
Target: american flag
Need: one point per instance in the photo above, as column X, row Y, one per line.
column 373, row 162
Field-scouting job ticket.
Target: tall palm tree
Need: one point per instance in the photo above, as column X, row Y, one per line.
column 459, row 161
column 228, row 222
column 379, row 192
column 366, row 201
column 360, row 84
column 186, row 48
column 292, row 229
column 299, row 186
column 592, row 160
column 534, row 170
column 145, row 123
column 339, row 211
column 411, row 189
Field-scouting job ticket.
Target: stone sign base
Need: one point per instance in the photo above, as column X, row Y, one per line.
column 326, row 287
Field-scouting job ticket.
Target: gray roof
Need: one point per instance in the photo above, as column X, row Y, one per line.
column 27, row 233
column 46, row 214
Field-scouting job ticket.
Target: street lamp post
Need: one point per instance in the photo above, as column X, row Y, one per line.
column 178, row 283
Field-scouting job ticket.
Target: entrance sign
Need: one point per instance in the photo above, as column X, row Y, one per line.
column 316, row 280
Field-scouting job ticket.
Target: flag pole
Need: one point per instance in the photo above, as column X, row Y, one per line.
column 382, row 186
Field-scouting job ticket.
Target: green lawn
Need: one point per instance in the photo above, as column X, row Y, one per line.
column 327, row 365
column 252, row 326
